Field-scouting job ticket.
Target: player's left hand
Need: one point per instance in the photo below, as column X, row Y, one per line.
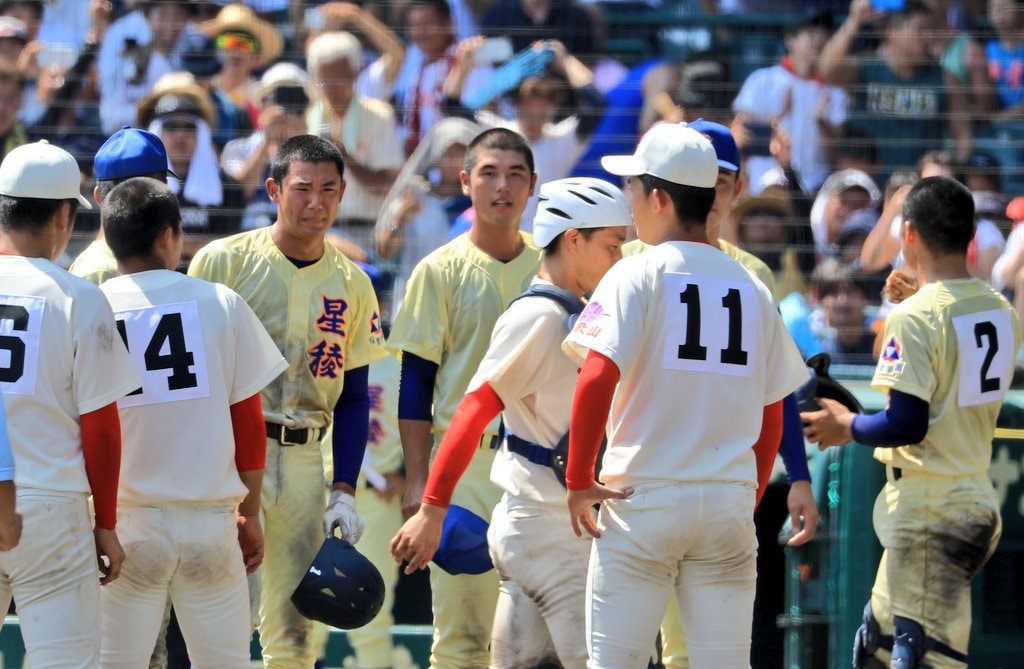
column 581, row 504
column 341, row 514
column 803, row 511
column 830, row 426
column 108, row 546
column 250, row 540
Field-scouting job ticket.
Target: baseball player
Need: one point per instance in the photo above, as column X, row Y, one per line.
column 129, row 152
column 800, row 501
column 10, row 520
column 320, row 310
column 188, row 499
column 581, row 224
column 62, row 368
column 453, row 298
column 681, row 315
column 946, row 364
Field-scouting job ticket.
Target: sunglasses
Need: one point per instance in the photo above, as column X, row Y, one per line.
column 240, row 41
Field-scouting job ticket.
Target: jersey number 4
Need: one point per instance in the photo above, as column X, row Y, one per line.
column 165, row 343
column 718, row 320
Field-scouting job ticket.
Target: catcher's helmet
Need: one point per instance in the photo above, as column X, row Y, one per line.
column 463, row 548
column 341, row 588
column 821, row 384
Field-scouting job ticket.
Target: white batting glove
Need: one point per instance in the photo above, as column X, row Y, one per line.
column 341, row 513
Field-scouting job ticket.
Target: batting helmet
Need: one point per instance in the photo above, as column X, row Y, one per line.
column 582, row 202
column 463, row 548
column 341, row 588
column 822, row 384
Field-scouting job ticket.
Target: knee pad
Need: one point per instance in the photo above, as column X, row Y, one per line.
column 910, row 644
column 869, row 638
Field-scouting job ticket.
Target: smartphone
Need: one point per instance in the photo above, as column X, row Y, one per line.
column 888, row 5
column 493, row 50
column 759, row 139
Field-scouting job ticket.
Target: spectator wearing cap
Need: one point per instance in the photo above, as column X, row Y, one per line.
column 791, row 95
column 843, row 193
column 245, row 43
column 201, row 58
column 900, row 94
column 137, row 50
column 181, row 113
column 283, row 94
column 763, row 225
column 363, row 129
column 129, row 152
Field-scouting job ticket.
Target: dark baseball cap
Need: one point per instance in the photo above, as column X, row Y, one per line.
column 723, row 141
column 131, row 152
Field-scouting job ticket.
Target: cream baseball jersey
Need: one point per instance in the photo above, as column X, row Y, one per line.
column 198, row 348
column 383, row 445
column 96, row 263
column 754, row 265
column 322, row 317
column 60, row 357
column 953, row 344
column 694, row 336
column 458, row 283
column 525, row 366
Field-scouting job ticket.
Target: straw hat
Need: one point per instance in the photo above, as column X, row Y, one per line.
column 191, row 98
column 769, row 200
column 241, row 18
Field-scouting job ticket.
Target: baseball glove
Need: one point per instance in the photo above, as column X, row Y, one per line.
column 823, row 385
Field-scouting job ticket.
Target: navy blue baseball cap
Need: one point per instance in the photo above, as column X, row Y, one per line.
column 131, row 152
column 463, row 548
column 723, row 141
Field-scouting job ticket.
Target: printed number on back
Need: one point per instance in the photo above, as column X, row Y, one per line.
column 165, row 343
column 711, row 325
column 21, row 325
column 986, row 343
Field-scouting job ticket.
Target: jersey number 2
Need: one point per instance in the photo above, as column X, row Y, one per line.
column 987, row 330
column 178, row 359
column 691, row 348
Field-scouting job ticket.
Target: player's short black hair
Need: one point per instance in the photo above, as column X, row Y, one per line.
column 104, row 186
column 305, row 149
column 135, row 213
column 693, row 204
column 942, row 211
column 500, row 139
column 30, row 214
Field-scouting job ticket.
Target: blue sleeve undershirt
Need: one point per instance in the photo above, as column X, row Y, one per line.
column 351, row 425
column 416, row 388
column 792, row 449
column 904, row 421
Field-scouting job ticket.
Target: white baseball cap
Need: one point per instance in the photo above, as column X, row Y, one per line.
column 42, row 171
column 673, row 152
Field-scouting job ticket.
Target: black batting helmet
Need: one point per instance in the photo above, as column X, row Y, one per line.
column 822, row 384
column 341, row 588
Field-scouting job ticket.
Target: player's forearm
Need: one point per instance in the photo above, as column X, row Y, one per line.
column 460, row 443
column 415, row 435
column 253, row 482
column 590, row 406
column 101, row 449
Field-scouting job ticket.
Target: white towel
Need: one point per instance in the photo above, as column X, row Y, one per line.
column 202, row 184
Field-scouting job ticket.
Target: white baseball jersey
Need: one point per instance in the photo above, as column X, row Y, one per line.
column 198, row 348
column 60, row 357
column 535, row 381
column 6, row 457
column 701, row 350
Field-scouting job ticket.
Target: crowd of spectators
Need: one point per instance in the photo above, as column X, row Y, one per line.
column 834, row 121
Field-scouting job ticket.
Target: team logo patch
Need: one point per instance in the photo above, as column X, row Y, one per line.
column 585, row 324
column 891, row 360
column 376, row 331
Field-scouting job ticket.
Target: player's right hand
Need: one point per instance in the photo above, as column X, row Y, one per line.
column 10, row 531
column 108, row 546
column 419, row 538
column 581, row 504
column 250, row 540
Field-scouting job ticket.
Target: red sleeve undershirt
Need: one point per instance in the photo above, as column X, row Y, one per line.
column 101, row 447
column 767, row 446
column 590, row 406
column 475, row 411
column 250, row 434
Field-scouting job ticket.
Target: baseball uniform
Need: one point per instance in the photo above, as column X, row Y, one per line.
column 681, row 315
column 953, row 344
column 323, row 317
column 754, row 265
column 452, row 300
column 198, row 349
column 6, row 456
column 96, row 263
column 382, row 517
column 60, row 357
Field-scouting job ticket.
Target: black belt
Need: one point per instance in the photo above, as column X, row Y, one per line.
column 535, row 453
column 290, row 436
